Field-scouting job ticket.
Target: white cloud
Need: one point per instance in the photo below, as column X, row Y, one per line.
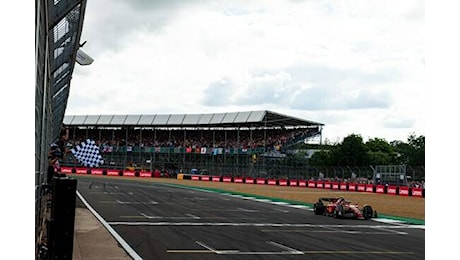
column 359, row 60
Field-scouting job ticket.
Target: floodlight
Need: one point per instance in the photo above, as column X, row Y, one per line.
column 83, row 58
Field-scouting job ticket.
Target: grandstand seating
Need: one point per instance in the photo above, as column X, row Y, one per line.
column 230, row 151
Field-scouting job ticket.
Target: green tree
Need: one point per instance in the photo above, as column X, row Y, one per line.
column 351, row 152
column 380, row 158
column 378, row 145
column 320, row 159
column 379, row 152
column 417, row 143
column 412, row 152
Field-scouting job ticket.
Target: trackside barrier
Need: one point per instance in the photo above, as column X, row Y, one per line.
column 66, row 169
column 371, row 188
column 361, row 187
column 238, row 180
column 418, row 192
column 147, row 174
column 81, row 170
column 282, row 182
column 227, row 179
column 185, row 176
column 352, row 187
column 404, row 191
column 380, row 189
column 249, row 180
column 129, row 173
column 393, row 190
column 260, row 181
column 335, row 185
column 271, row 181
column 113, row 173
column 97, row 171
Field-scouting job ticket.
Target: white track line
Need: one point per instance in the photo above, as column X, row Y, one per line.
column 117, row 237
column 289, row 249
column 246, row 224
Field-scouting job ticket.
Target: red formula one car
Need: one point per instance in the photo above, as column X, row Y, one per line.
column 341, row 208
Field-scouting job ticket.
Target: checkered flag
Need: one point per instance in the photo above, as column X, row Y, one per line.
column 87, row 153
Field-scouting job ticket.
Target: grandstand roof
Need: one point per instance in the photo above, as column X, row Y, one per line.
column 232, row 119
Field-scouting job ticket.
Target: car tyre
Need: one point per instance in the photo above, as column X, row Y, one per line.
column 318, row 208
column 368, row 212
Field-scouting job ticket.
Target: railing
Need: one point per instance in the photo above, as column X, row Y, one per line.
column 232, row 162
column 316, row 184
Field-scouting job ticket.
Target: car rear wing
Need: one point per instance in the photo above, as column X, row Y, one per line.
column 328, row 199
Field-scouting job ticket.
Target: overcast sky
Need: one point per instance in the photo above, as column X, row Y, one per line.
column 356, row 66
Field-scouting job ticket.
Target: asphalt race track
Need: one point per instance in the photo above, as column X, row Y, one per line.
column 162, row 221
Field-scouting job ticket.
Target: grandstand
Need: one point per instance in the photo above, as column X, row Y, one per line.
column 249, row 143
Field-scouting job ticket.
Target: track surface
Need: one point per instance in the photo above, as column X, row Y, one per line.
column 160, row 221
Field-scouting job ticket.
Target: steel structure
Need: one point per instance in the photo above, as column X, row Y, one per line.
column 231, row 133
column 58, row 27
column 248, row 119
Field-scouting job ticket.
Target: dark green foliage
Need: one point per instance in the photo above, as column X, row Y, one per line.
column 353, row 151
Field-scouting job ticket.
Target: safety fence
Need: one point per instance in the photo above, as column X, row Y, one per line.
column 316, row 184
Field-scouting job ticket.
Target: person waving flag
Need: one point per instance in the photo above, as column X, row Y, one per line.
column 87, row 153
